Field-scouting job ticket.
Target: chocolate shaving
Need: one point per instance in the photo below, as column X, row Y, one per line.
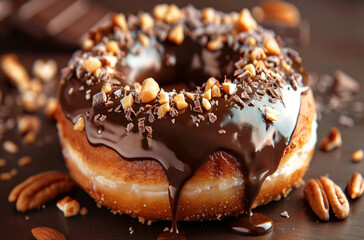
column 129, row 127
column 98, row 99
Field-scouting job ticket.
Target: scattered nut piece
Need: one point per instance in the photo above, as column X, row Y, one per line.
column 106, row 88
column 146, row 22
column 5, row 176
column 163, row 97
column 10, row 147
column 180, row 101
column 23, row 161
column 229, row 88
column 27, row 123
column 215, row 91
column 39, row 189
column 246, row 21
column 68, row 206
column 92, row 64
column 332, row 141
column 46, row 233
column 280, row 12
column 284, row 214
column 317, row 199
column 163, row 109
column 358, row 156
column 251, row 41
column 206, row 104
column 80, row 124
column 15, row 71
column 112, row 47
column 271, row 114
column 250, row 68
column 190, row 95
column 216, row 44
column 176, row 35
column 355, row 186
column 83, row 211
column 51, row 108
column 120, row 21
column 45, row 70
column 30, row 137
column 272, row 47
column 258, row 53
column 208, row 15
column 149, row 91
column 144, row 39
column 127, row 101
column 337, row 199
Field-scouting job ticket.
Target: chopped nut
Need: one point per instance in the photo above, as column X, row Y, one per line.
column 173, row 14
column 357, row 156
column 112, row 47
column 80, row 124
column 206, row 104
column 215, row 91
column 127, row 101
column 229, row 88
column 355, row 187
column 216, row 44
column 163, row 109
column 149, row 91
column 207, row 94
column 179, row 99
column 286, row 66
column 68, row 206
column 138, row 87
column 87, row 44
column 144, row 39
column 208, row 15
column 280, row 12
column 246, row 21
column 45, row 70
column 176, row 35
column 10, row 147
column 250, row 67
column 211, row 82
column 51, row 108
column 190, row 95
column 120, row 21
column 160, row 11
column 83, row 211
column 92, row 64
column 251, row 41
column 109, row 61
column 271, row 114
column 272, row 47
column 146, row 22
column 106, row 88
column 332, row 141
column 258, row 53
column 23, row 161
column 163, row 97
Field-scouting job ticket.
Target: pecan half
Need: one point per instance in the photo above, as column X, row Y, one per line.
column 46, row 233
column 39, row 189
column 355, row 187
column 337, row 199
column 317, row 199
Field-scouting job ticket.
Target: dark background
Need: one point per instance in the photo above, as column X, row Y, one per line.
column 336, row 42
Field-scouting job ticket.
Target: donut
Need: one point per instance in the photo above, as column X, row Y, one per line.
column 185, row 114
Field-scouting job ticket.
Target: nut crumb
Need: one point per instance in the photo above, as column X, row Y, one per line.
column 131, row 230
column 23, row 161
column 284, row 214
column 271, row 114
column 332, row 141
column 70, row 207
column 10, row 147
column 83, row 211
column 357, row 156
column 80, row 124
column 2, row 162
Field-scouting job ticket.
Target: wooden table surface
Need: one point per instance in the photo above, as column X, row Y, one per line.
column 336, row 42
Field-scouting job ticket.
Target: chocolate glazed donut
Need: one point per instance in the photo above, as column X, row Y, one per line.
column 186, row 91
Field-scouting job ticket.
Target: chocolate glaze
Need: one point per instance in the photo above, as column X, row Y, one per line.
column 183, row 145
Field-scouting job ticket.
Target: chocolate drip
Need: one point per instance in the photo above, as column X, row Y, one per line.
column 183, row 145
